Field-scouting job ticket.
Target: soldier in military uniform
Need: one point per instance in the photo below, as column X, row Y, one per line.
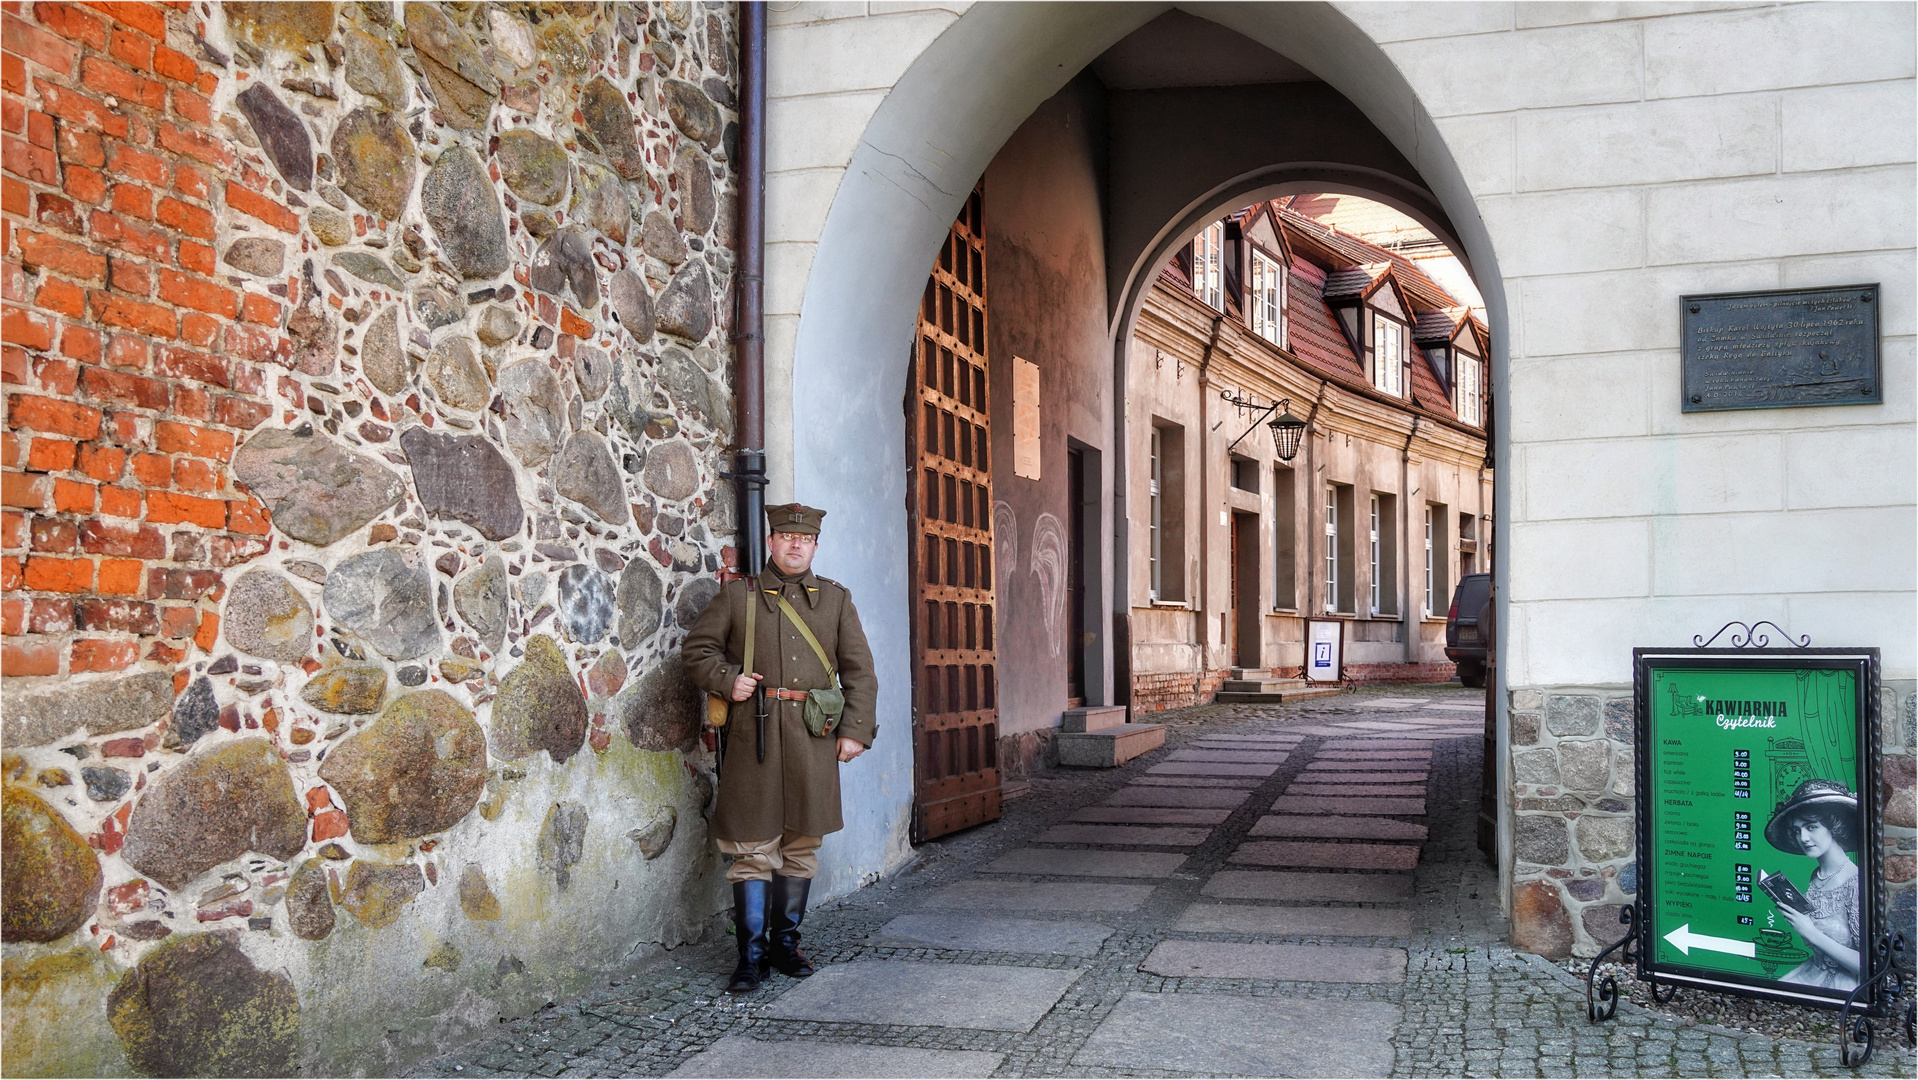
column 779, row 786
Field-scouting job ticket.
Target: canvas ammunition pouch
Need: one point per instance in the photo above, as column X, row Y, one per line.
column 824, row 706
column 719, row 706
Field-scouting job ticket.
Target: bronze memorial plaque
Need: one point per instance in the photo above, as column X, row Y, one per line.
column 1775, row 350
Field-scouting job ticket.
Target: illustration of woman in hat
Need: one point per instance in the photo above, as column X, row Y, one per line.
column 1821, row 821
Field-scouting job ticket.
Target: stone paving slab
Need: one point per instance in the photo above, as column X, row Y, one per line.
column 1368, row 764
column 1364, row 777
column 1151, row 796
column 1210, row 768
column 1243, row 757
column 1378, row 744
column 1343, row 753
column 1395, row 702
column 1246, row 782
column 1284, row 963
column 1299, row 885
column 1352, row 789
column 1332, row 804
column 928, row 930
column 1123, row 834
column 1382, row 725
column 1265, row 921
column 1207, row 1035
column 1270, row 737
column 1145, row 864
column 1480, row 709
column 1321, row 729
column 1072, row 896
column 995, row 998
column 1327, row 856
column 1152, row 815
column 1337, row 828
column 736, row 1055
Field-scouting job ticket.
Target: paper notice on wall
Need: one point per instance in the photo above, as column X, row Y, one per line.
column 1025, row 418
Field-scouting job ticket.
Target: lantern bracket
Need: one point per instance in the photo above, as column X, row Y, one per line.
column 1285, row 430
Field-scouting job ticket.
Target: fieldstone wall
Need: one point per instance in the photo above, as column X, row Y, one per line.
column 366, row 379
column 1573, row 780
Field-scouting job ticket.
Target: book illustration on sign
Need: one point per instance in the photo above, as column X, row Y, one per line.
column 1820, row 821
column 1783, row 892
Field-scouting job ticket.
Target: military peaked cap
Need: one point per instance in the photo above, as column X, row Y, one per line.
column 793, row 518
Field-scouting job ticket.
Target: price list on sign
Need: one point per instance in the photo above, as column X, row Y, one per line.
column 1749, row 825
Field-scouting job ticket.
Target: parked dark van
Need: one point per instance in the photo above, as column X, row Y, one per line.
column 1471, row 601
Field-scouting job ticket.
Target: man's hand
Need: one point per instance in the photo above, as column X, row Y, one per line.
column 744, row 686
column 850, row 748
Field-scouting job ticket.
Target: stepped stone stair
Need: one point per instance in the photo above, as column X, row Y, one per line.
column 1099, row 737
column 1250, row 686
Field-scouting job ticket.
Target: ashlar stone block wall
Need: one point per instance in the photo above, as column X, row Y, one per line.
column 366, row 380
column 1572, row 836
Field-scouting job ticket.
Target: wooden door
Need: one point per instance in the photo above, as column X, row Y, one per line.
column 1075, row 579
column 949, row 496
column 1229, row 619
column 1247, row 642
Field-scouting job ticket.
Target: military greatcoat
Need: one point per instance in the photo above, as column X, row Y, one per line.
column 797, row 787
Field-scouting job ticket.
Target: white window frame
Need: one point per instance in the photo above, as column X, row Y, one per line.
column 1331, row 547
column 1266, row 301
column 1208, row 265
column 1156, row 524
column 1431, row 583
column 1467, row 388
column 1388, row 354
column 1377, row 591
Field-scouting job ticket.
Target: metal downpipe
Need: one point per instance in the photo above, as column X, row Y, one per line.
column 749, row 323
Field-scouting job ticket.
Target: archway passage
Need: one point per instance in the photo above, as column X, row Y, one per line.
column 1097, row 172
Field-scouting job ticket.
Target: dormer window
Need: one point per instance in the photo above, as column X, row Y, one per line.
column 1208, row 265
column 1388, row 354
column 1468, row 395
column 1265, row 300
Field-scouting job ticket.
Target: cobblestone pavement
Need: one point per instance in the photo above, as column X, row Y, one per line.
column 1466, row 1005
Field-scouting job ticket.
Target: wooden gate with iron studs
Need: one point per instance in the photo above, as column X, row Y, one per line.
column 949, row 507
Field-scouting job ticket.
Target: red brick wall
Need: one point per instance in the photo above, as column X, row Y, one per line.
column 131, row 367
column 1444, row 671
column 1175, row 689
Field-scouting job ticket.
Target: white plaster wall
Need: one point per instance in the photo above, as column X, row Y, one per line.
column 828, row 67
column 1690, row 148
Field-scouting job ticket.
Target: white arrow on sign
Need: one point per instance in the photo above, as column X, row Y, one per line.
column 1686, row 941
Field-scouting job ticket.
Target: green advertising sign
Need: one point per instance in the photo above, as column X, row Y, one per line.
column 1758, row 868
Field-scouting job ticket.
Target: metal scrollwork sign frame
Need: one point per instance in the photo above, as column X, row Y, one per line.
column 1706, row 915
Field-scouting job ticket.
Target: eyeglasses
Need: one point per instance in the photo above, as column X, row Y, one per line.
column 795, row 538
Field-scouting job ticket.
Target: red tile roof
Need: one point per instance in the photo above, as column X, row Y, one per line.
column 1353, row 281
column 1351, row 251
column 1438, row 326
column 1426, row 391
column 1313, row 331
column 1328, row 265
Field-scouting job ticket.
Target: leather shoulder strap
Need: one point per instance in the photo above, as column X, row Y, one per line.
column 752, row 626
column 785, row 607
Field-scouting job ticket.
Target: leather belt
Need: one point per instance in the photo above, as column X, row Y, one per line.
column 783, row 694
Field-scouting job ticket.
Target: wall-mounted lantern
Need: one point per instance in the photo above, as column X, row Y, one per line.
column 1286, row 428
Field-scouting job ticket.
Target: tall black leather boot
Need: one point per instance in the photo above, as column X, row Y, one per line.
column 789, row 910
column 749, row 926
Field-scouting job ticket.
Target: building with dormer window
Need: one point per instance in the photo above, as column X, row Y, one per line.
column 1388, row 498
